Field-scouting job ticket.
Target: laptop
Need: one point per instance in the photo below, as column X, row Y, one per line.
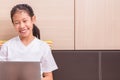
column 20, row 71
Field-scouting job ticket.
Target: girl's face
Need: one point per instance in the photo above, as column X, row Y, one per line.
column 23, row 23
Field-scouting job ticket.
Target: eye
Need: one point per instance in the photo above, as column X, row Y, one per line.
column 16, row 23
column 25, row 21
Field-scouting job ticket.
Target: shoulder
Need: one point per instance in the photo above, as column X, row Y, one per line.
column 43, row 47
column 41, row 42
column 7, row 44
column 11, row 41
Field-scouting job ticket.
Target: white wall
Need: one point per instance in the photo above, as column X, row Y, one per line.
column 97, row 22
column 55, row 18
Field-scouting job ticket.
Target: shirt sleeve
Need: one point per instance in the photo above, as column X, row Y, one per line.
column 3, row 53
column 48, row 63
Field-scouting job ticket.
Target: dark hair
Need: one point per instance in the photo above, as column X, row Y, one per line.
column 29, row 10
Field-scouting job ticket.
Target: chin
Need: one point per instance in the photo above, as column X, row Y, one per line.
column 24, row 35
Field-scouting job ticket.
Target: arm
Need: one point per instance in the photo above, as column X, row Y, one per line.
column 3, row 53
column 48, row 64
column 47, row 76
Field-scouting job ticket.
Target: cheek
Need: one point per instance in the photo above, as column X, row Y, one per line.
column 30, row 26
column 16, row 28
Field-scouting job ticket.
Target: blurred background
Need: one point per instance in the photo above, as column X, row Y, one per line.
column 84, row 34
column 70, row 24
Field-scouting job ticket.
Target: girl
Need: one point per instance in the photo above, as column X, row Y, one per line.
column 27, row 46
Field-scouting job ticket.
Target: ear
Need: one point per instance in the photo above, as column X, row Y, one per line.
column 34, row 19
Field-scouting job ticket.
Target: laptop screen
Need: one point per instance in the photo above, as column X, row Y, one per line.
column 20, row 71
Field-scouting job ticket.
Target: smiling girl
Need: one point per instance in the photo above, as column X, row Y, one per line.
column 27, row 46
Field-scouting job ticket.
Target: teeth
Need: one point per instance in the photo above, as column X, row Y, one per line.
column 23, row 31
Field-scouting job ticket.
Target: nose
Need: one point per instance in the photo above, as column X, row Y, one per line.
column 22, row 25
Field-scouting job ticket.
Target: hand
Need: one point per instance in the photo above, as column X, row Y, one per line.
column 47, row 76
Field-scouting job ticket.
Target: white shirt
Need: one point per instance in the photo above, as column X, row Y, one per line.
column 37, row 50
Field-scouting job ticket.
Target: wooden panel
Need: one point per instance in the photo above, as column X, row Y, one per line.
column 111, row 65
column 76, row 65
column 97, row 24
column 55, row 18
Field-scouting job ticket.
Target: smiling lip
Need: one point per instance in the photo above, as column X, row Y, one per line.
column 22, row 31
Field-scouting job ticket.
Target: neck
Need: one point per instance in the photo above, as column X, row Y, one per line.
column 27, row 40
